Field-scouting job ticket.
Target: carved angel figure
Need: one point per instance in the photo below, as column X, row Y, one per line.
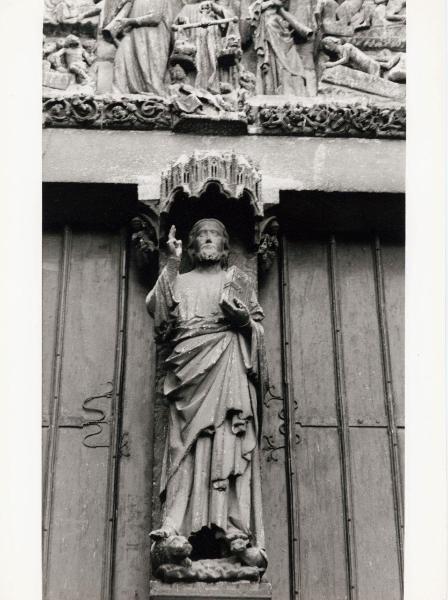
column 279, row 65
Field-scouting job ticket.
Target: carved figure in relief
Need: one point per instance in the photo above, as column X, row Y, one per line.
column 214, row 376
column 279, row 65
column 394, row 65
column 349, row 55
column 73, row 58
column 207, row 44
column 142, row 31
column 187, row 99
column 395, row 11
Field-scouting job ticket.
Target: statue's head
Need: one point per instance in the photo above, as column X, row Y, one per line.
column 206, row 8
column 208, row 242
column 72, row 41
column 331, row 44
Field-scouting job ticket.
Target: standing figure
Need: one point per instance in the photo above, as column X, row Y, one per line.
column 214, row 378
column 195, row 23
column 141, row 59
column 279, row 66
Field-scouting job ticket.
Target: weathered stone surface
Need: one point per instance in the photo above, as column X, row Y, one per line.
column 278, row 116
column 287, row 163
column 223, row 54
column 217, row 591
column 357, row 81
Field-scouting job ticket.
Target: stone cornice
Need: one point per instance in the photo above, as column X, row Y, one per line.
column 318, row 117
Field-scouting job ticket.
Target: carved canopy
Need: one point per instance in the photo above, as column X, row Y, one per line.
column 235, row 174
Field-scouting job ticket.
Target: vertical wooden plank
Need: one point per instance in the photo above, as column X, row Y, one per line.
column 54, row 404
column 402, row 449
column 343, row 421
column 393, row 266
column 289, row 410
column 311, row 334
column 131, row 577
column 77, row 540
column 79, row 527
column 362, row 350
column 274, row 486
column 378, row 563
column 389, row 405
column 323, row 562
column 51, row 264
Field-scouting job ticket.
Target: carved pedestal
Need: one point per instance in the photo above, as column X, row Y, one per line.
column 217, row 591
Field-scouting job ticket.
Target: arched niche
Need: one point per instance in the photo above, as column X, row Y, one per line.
column 224, row 186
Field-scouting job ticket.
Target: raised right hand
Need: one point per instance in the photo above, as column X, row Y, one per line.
column 174, row 246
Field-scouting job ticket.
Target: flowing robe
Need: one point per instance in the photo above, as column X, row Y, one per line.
column 208, row 42
column 211, row 473
column 141, row 59
column 279, row 66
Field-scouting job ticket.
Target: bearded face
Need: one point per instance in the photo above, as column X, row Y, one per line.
column 209, row 243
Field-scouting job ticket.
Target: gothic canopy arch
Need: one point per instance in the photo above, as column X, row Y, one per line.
column 236, row 176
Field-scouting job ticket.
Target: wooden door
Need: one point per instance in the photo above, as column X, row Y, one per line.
column 333, row 426
column 332, row 444
column 97, row 426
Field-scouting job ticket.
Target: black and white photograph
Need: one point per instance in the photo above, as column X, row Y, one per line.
column 228, row 315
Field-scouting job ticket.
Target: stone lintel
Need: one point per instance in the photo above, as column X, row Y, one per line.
column 286, row 163
column 217, row 591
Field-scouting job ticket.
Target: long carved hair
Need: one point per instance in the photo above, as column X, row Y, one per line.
column 192, row 236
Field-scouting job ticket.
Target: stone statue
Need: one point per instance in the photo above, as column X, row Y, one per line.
column 214, row 377
column 207, row 44
column 73, row 58
column 279, row 66
column 350, row 56
column 142, row 31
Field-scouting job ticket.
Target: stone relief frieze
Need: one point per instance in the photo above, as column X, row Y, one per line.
column 225, row 64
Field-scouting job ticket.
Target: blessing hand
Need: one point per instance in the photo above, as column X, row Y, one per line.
column 236, row 311
column 174, row 246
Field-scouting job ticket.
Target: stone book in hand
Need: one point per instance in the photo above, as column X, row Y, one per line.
column 237, row 285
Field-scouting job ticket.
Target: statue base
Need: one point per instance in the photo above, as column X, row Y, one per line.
column 222, row 590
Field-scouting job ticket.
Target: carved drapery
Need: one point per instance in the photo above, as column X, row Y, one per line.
column 350, row 53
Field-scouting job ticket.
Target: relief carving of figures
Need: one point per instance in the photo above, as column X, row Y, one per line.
column 391, row 66
column 207, row 44
column 208, row 323
column 67, row 64
column 275, row 32
column 347, row 17
column 142, row 30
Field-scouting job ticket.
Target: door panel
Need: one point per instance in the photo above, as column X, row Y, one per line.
column 311, row 334
column 362, row 349
column 78, row 519
column 321, row 524
column 51, row 263
column 393, row 273
column 375, row 527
